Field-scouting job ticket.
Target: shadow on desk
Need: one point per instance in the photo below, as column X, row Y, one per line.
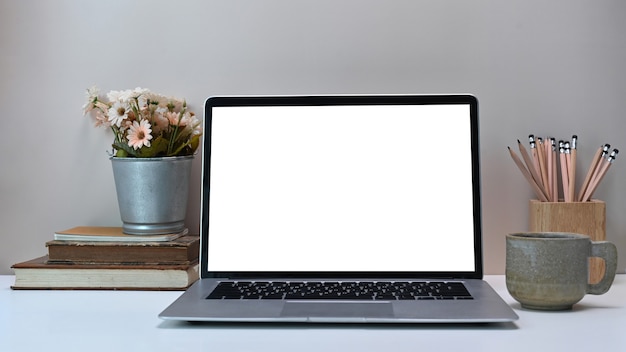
column 170, row 324
column 578, row 307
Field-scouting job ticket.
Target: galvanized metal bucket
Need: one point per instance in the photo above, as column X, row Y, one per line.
column 152, row 193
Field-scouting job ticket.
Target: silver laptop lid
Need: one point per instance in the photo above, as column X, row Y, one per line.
column 341, row 186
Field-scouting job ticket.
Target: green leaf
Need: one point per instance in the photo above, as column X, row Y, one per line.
column 158, row 147
column 123, row 149
column 195, row 142
column 121, row 153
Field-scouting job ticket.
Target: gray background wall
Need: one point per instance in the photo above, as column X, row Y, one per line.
column 543, row 67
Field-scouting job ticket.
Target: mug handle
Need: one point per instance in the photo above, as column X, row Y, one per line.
column 607, row 251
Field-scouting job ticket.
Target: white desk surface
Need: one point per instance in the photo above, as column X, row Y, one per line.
column 127, row 321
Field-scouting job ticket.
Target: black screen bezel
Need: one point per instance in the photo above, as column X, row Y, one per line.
column 320, row 100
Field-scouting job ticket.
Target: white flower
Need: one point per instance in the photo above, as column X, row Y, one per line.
column 155, row 98
column 140, row 95
column 139, row 134
column 92, row 99
column 92, row 94
column 137, row 92
column 118, row 113
column 115, row 95
column 93, row 91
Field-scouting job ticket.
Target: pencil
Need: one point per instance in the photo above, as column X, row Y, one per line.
column 542, row 166
column 572, row 168
column 600, row 175
column 603, row 150
column 548, row 157
column 531, row 166
column 535, row 155
column 549, row 161
column 564, row 174
column 555, row 187
column 568, row 163
column 540, row 194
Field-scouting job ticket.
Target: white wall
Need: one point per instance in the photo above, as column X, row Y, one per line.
column 542, row 67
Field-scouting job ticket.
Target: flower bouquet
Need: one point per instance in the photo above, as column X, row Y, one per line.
column 155, row 141
column 145, row 124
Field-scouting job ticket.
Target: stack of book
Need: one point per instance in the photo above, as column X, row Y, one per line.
column 105, row 258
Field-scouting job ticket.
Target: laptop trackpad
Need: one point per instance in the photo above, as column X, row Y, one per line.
column 337, row 309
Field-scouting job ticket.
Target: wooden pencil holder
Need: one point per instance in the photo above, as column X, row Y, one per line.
column 587, row 218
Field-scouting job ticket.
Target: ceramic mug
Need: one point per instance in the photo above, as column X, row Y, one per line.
column 550, row 270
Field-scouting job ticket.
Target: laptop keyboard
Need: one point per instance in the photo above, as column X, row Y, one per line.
column 338, row 290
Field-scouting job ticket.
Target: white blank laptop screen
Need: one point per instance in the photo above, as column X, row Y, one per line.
column 341, row 188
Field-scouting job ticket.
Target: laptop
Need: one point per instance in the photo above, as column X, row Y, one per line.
column 341, row 209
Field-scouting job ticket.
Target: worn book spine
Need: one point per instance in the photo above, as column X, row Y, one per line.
column 182, row 250
column 39, row 273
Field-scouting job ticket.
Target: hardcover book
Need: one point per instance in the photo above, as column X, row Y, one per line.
column 181, row 250
column 39, row 273
column 110, row 233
